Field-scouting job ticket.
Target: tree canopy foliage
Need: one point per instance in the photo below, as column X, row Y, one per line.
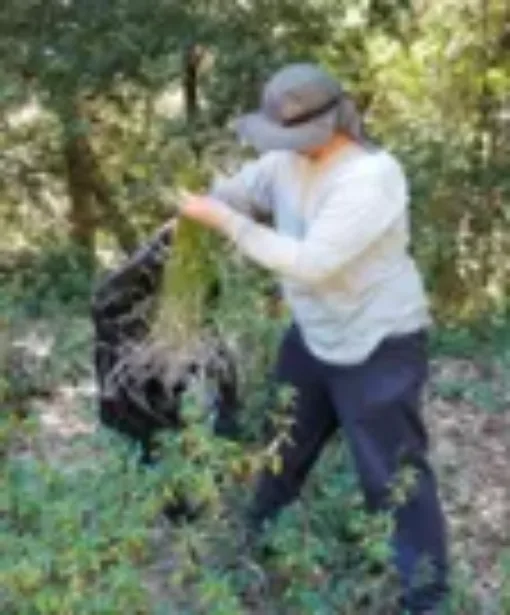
column 103, row 104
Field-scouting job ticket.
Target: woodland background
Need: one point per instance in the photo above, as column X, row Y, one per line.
column 103, row 105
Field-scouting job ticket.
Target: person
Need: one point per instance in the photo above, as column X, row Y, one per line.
column 356, row 351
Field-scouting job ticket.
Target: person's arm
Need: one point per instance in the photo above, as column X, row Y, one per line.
column 249, row 191
column 359, row 209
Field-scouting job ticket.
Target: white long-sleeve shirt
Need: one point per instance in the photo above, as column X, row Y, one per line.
column 340, row 244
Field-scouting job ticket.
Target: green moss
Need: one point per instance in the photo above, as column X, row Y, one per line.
column 189, row 274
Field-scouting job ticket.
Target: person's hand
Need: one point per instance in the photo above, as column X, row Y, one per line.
column 202, row 209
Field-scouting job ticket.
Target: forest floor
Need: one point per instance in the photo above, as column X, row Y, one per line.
column 471, row 449
column 467, row 410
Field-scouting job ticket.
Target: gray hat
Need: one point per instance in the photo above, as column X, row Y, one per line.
column 301, row 107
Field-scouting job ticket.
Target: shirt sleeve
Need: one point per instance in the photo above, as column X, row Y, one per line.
column 359, row 209
column 250, row 190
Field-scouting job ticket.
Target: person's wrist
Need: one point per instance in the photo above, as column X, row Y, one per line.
column 222, row 215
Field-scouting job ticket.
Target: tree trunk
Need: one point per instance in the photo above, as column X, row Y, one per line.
column 82, row 218
column 191, row 62
column 92, row 198
column 192, row 56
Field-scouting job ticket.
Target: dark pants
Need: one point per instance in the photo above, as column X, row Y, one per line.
column 377, row 404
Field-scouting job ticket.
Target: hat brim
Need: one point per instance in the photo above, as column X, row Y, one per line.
column 264, row 135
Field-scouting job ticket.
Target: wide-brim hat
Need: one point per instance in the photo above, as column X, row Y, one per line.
column 298, row 111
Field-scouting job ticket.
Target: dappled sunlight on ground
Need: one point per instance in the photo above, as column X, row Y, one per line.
column 471, row 449
column 58, row 415
column 65, row 417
